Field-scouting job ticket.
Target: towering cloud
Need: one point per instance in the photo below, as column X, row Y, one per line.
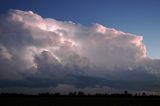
column 43, row 52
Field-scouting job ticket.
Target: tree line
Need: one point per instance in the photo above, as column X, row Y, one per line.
column 78, row 94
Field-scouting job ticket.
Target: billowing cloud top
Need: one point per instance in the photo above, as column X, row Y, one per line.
column 43, row 52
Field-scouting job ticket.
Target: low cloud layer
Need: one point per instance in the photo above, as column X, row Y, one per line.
column 39, row 52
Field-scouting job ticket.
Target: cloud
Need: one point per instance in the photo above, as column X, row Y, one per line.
column 43, row 52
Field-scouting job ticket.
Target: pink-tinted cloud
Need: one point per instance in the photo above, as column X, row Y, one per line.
column 43, row 48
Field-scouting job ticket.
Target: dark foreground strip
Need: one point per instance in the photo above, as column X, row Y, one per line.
column 79, row 101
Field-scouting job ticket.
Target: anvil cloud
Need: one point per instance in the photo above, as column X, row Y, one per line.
column 43, row 52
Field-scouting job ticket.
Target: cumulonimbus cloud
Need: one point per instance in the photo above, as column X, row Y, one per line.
column 42, row 52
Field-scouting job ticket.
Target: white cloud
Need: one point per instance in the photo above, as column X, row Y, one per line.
column 35, row 47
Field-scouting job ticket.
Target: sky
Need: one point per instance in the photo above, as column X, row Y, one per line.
column 95, row 46
column 140, row 17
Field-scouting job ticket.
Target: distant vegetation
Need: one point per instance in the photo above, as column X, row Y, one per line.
column 79, row 99
column 77, row 94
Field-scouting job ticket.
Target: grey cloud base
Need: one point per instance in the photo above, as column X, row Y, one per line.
column 38, row 52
